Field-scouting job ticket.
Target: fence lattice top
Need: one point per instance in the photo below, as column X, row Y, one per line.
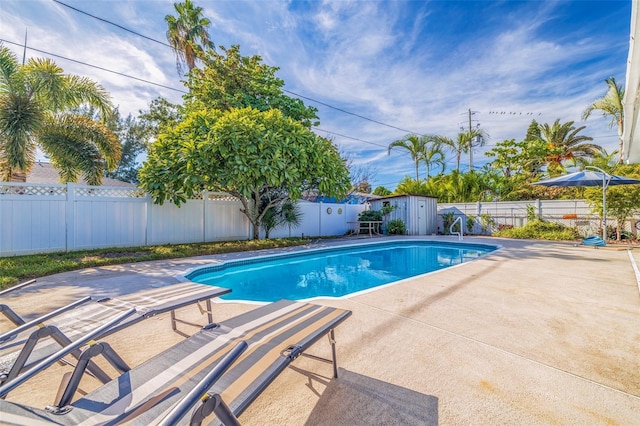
column 41, row 189
column 32, row 189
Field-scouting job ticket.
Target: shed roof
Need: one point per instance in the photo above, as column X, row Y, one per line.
column 42, row 172
column 388, row 197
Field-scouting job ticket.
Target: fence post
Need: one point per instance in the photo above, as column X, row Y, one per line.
column 205, row 201
column 148, row 230
column 539, row 205
column 70, row 216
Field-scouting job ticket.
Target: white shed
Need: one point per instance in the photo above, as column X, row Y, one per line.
column 418, row 212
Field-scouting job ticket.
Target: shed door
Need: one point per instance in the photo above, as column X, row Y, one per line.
column 422, row 217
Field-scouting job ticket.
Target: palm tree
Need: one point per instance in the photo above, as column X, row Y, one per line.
column 36, row 100
column 603, row 160
column 462, row 143
column 187, row 34
column 565, row 143
column 416, row 145
column 611, row 104
column 434, row 156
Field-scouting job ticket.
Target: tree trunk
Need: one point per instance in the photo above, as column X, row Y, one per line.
column 621, row 141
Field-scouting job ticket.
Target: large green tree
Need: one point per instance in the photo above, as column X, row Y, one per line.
column 525, row 158
column 188, row 34
column 611, row 105
column 260, row 157
column 36, row 110
column 161, row 115
column 230, row 80
column 134, row 136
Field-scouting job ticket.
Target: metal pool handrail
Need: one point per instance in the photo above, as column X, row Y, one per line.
column 458, row 219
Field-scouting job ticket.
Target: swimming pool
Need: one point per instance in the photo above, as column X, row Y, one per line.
column 333, row 272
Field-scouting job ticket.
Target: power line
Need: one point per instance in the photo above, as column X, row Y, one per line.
column 161, row 85
column 350, row 137
column 112, row 23
column 351, row 113
column 284, row 90
column 93, row 66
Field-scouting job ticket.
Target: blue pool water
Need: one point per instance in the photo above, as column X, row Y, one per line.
column 333, row 272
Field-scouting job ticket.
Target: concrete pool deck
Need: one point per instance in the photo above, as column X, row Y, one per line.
column 535, row 333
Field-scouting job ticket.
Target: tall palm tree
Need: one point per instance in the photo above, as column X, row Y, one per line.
column 36, row 100
column 434, row 156
column 611, row 105
column 566, row 144
column 188, row 33
column 462, row 143
column 415, row 145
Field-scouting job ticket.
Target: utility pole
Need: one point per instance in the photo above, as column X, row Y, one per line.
column 469, row 114
column 24, row 53
column 470, row 144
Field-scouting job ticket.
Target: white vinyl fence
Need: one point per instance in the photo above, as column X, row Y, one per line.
column 491, row 216
column 38, row 218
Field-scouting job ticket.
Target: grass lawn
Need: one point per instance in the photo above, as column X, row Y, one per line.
column 20, row 268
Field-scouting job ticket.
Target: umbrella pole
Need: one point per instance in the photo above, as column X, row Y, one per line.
column 605, row 182
column 604, row 210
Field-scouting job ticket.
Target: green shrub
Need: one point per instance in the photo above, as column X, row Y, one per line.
column 370, row 215
column 487, row 222
column 471, row 222
column 396, row 227
column 540, row 230
column 447, row 221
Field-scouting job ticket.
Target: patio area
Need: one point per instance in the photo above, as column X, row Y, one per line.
column 535, row 333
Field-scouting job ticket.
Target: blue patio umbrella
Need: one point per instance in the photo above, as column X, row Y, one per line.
column 591, row 178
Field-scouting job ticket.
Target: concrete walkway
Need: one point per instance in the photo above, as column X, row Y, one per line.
column 535, row 333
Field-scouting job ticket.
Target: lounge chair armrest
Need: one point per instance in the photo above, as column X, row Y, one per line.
column 9, row 334
column 16, row 287
column 193, row 397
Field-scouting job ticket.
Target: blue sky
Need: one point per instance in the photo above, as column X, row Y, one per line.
column 413, row 65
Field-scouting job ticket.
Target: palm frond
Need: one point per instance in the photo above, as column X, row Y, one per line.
column 20, row 117
column 9, row 67
column 78, row 145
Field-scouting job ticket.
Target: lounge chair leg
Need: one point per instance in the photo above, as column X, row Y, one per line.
column 11, row 315
column 295, row 351
column 173, row 321
column 208, row 311
column 84, row 363
column 214, row 404
column 64, row 341
column 332, row 340
column 25, row 352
